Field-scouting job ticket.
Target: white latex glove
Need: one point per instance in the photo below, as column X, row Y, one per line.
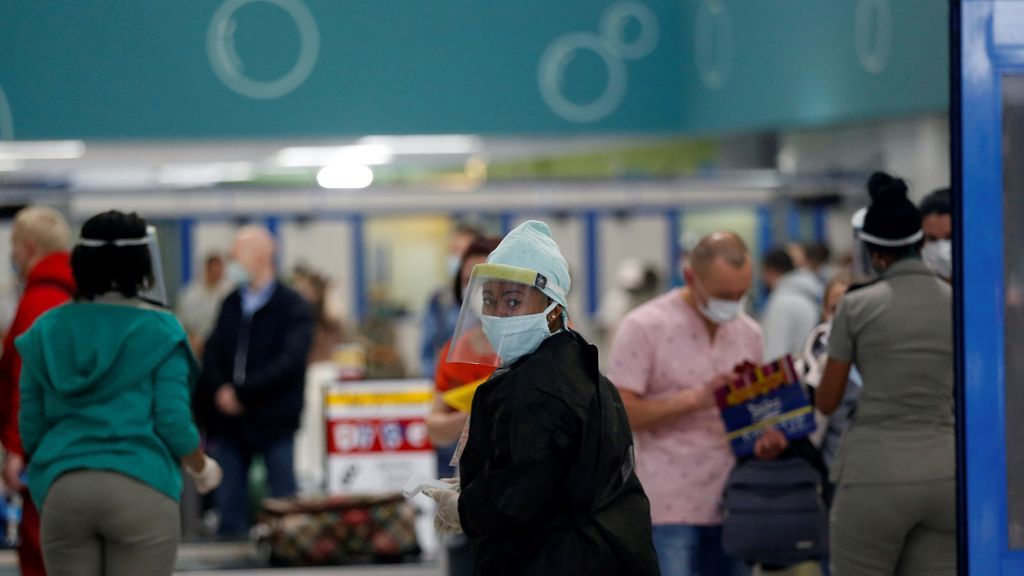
column 446, row 517
column 209, row 477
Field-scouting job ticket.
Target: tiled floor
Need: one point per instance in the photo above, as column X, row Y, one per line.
column 238, row 559
column 347, row 571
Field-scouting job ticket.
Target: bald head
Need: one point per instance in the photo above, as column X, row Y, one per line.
column 254, row 249
column 721, row 268
column 725, row 246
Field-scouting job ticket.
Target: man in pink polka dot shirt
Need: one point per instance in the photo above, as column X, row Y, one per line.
column 667, row 358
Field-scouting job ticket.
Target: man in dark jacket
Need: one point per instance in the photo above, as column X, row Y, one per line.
column 39, row 252
column 254, row 371
column 546, row 469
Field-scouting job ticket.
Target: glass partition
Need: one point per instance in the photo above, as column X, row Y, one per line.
column 1013, row 243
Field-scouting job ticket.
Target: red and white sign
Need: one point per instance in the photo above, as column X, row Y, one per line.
column 377, row 439
column 377, row 435
column 374, row 435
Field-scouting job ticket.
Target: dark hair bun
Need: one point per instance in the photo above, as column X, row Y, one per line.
column 884, row 189
column 114, row 225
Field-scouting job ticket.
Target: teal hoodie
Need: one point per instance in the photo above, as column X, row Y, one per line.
column 106, row 386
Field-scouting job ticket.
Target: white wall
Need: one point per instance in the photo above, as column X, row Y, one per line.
column 840, row 232
column 406, row 257
column 406, row 263
column 326, row 246
column 210, row 237
column 642, row 237
column 916, row 149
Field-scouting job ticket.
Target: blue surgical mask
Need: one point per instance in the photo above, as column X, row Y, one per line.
column 454, row 264
column 238, row 275
column 19, row 276
column 16, row 269
column 513, row 337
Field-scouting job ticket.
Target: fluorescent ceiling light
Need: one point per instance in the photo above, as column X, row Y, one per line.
column 106, row 179
column 426, row 145
column 42, row 150
column 304, row 156
column 349, row 176
column 201, row 175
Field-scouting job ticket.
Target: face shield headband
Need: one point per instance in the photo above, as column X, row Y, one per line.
column 505, row 315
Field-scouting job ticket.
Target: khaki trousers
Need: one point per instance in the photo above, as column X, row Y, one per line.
column 906, row 529
column 99, row 523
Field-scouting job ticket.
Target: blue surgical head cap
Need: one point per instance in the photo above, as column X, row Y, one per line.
column 531, row 246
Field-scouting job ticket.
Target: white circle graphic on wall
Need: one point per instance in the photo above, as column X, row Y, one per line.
column 612, row 47
column 873, row 34
column 552, row 75
column 713, row 44
column 6, row 117
column 613, row 28
column 220, row 47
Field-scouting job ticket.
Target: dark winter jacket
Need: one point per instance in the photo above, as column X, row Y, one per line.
column 548, row 485
column 271, row 347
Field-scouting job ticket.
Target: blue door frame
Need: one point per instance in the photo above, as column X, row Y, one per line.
column 979, row 63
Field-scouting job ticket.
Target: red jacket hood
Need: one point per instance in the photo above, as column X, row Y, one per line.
column 54, row 270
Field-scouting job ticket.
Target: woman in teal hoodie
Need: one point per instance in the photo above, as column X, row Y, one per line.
column 105, row 413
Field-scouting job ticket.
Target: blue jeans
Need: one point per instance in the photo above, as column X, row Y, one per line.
column 235, row 458
column 694, row 551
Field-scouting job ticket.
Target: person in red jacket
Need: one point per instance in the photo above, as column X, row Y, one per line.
column 39, row 254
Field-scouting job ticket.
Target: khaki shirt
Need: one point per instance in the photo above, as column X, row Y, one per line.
column 899, row 334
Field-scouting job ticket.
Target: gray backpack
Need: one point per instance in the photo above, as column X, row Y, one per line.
column 775, row 512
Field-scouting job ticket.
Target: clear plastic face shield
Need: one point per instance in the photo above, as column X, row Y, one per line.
column 157, row 293
column 861, row 267
column 505, row 316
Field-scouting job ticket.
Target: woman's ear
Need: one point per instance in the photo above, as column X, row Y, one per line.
column 555, row 322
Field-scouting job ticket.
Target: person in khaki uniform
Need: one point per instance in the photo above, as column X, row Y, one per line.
column 895, row 507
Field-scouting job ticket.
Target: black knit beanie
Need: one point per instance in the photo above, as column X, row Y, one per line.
column 892, row 220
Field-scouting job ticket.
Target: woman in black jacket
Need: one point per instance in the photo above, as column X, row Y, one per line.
column 546, row 464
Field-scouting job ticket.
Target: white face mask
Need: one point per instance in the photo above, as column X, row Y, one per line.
column 513, row 337
column 938, row 255
column 718, row 310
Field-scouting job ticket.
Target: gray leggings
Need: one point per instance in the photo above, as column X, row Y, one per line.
column 904, row 529
column 99, row 523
